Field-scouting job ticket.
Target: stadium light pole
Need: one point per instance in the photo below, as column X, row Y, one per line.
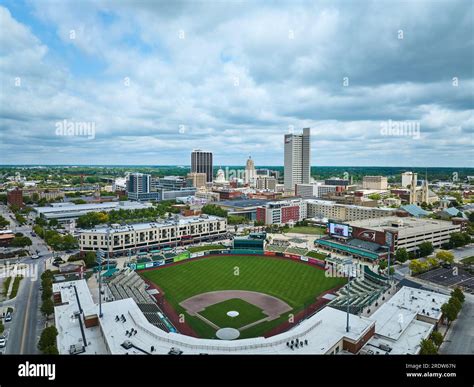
column 348, row 262
column 100, row 256
column 108, row 247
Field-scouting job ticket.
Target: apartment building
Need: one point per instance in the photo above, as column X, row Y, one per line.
column 117, row 238
column 314, row 190
column 282, row 212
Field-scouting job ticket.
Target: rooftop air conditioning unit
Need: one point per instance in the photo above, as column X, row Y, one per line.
column 75, row 349
column 385, row 347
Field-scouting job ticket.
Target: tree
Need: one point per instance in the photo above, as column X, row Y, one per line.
column 47, row 291
column 375, row 196
column 47, row 308
column 4, row 222
column 92, row 219
column 432, row 262
column 457, row 293
column 425, row 249
column 428, row 347
column 53, row 223
column 449, row 311
column 401, row 255
column 48, row 338
column 21, row 241
column 445, row 256
column 90, row 259
column 212, row 209
column 51, row 350
column 416, row 266
column 437, row 338
column 456, row 304
column 41, row 221
column 383, row 264
column 459, row 239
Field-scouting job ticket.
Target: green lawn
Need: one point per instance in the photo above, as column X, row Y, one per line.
column 468, row 260
column 315, row 254
column 195, row 249
column 16, row 285
column 295, row 283
column 248, row 313
column 307, row 230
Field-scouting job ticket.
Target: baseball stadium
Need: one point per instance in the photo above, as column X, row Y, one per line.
column 240, row 292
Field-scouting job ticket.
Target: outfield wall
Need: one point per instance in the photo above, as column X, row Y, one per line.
column 187, row 255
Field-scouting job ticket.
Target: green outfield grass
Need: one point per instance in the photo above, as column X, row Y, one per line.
column 248, row 313
column 309, row 230
column 296, row 283
column 315, row 254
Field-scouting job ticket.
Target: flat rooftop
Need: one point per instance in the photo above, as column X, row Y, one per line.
column 404, row 226
column 181, row 221
column 90, row 207
column 397, row 321
column 243, row 203
column 334, row 204
column 323, row 330
column 407, row 343
column 68, row 326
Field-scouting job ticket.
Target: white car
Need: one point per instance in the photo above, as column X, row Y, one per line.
column 3, row 341
column 36, row 256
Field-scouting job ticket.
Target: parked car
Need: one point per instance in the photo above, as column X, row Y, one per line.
column 8, row 317
column 3, row 341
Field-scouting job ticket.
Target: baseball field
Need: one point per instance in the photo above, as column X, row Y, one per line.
column 253, row 294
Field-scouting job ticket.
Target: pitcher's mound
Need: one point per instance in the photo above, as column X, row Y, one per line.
column 227, row 334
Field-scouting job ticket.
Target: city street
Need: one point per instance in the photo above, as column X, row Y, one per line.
column 27, row 322
column 460, row 337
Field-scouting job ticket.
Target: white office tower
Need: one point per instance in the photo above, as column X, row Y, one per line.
column 407, row 179
column 297, row 159
column 250, row 172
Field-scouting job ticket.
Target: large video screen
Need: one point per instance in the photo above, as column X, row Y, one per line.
column 337, row 229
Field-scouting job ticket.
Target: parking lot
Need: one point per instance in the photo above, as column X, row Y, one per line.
column 450, row 277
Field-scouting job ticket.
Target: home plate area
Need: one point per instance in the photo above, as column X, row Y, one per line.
column 230, row 312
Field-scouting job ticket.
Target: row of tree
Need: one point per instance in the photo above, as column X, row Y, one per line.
column 160, row 209
column 55, row 240
column 450, row 311
column 418, row 266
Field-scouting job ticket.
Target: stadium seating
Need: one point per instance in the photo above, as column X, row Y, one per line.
column 128, row 284
column 361, row 292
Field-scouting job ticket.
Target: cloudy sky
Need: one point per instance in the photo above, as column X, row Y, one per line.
column 144, row 82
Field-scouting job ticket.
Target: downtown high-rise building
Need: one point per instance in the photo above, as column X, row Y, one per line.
column 201, row 162
column 138, row 183
column 297, row 159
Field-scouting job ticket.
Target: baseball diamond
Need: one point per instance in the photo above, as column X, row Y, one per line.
column 267, row 292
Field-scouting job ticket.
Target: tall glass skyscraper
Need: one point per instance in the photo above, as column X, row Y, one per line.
column 297, row 159
column 201, row 162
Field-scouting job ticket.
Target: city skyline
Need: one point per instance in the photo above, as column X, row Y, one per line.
column 137, row 92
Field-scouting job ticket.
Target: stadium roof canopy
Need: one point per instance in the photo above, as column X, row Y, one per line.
column 348, row 249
